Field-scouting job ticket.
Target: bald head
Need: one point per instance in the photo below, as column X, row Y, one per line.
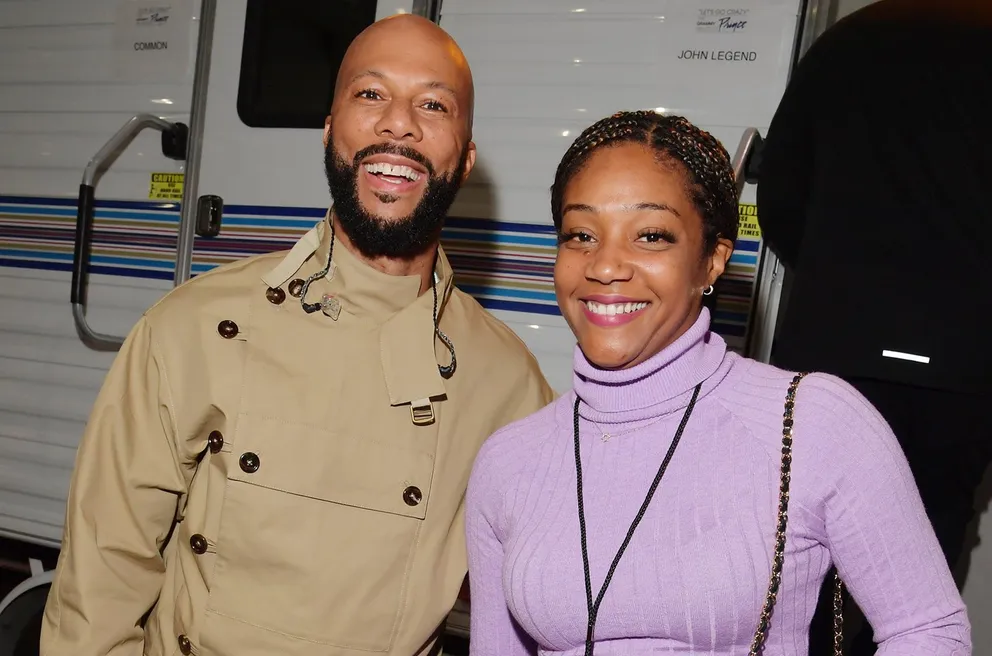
column 405, row 36
column 398, row 143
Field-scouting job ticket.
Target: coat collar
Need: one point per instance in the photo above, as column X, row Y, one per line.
column 409, row 350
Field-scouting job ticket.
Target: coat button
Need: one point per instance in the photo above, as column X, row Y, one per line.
column 275, row 295
column 296, row 287
column 215, row 441
column 198, row 543
column 227, row 329
column 412, row 496
column 185, row 646
column 249, row 462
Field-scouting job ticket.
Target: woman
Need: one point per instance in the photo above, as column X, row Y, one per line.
column 646, row 211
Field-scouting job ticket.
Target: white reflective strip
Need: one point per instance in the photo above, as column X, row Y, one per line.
column 906, row 356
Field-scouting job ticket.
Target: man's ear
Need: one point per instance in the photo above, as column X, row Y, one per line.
column 327, row 130
column 469, row 161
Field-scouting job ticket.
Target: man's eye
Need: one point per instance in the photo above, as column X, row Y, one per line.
column 368, row 94
column 435, row 106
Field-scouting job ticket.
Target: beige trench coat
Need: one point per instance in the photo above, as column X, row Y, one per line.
column 253, row 479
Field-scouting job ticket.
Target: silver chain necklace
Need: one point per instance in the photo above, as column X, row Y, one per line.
column 609, row 435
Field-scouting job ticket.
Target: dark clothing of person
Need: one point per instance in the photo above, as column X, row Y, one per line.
column 874, row 192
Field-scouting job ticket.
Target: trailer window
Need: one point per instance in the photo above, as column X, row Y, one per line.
column 292, row 50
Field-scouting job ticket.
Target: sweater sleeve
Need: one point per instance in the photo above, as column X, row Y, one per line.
column 875, row 525
column 494, row 631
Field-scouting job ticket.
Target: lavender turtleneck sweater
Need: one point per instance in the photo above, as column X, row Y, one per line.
column 695, row 574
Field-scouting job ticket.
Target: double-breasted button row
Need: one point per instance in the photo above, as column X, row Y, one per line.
column 249, row 462
column 296, row 287
column 215, row 441
column 276, row 295
column 198, row 544
column 412, row 496
column 227, row 329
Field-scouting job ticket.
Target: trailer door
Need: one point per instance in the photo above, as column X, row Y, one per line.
column 260, row 160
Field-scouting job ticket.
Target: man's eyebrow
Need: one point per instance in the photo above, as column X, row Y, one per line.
column 368, row 73
column 444, row 86
column 433, row 84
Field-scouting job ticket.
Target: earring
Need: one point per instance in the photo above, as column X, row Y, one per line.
column 708, row 291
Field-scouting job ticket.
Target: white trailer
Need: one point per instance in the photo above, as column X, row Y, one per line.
column 143, row 142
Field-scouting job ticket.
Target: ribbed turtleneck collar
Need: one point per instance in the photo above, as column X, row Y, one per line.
column 657, row 386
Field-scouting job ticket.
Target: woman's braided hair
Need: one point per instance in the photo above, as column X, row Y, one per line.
column 702, row 158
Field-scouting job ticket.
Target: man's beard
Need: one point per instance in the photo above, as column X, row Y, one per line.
column 376, row 236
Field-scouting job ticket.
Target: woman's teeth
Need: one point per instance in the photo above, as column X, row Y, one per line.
column 613, row 309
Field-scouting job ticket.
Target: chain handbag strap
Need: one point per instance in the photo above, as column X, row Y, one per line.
column 757, row 644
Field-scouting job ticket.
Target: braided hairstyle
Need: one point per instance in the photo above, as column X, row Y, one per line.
column 703, row 160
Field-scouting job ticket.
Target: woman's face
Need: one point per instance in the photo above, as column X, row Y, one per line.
column 631, row 270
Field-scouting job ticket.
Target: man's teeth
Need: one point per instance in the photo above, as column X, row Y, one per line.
column 393, row 170
column 613, row 309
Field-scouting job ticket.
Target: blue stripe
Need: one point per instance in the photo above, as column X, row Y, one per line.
column 517, row 306
column 13, row 252
column 71, row 212
column 72, row 202
column 492, row 224
column 743, row 258
column 498, row 237
column 478, row 290
column 95, row 259
column 99, row 270
column 278, row 222
column 277, row 210
column 307, row 216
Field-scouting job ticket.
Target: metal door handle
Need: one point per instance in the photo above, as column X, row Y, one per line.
column 747, row 159
column 174, row 137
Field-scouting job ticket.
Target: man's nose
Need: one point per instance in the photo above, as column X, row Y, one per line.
column 399, row 122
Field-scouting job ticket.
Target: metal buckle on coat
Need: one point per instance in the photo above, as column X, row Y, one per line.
column 422, row 412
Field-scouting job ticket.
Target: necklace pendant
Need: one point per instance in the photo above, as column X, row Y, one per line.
column 606, row 437
column 330, row 306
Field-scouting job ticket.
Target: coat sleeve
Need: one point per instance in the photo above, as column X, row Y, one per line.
column 534, row 394
column 876, row 527
column 122, row 505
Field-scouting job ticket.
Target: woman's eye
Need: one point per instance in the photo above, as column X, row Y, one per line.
column 657, row 237
column 578, row 236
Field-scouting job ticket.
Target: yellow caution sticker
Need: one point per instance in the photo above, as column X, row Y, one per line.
column 166, row 186
column 747, row 224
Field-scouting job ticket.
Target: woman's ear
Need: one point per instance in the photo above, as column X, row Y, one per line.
column 717, row 260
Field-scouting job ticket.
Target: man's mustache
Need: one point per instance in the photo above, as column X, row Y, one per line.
column 394, row 149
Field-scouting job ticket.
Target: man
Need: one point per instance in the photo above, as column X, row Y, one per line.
column 873, row 192
column 277, row 461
